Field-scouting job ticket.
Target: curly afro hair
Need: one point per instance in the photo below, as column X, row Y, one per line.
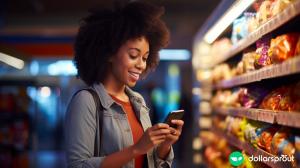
column 103, row 32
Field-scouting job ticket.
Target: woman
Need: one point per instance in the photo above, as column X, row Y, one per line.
column 113, row 50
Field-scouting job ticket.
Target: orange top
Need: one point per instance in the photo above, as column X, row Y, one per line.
column 136, row 128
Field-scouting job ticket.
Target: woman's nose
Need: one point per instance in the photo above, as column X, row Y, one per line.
column 141, row 64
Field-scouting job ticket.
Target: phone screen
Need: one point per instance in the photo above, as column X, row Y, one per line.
column 174, row 115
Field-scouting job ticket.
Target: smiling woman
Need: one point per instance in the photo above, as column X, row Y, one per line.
column 113, row 50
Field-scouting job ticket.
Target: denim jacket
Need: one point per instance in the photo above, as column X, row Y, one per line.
column 80, row 129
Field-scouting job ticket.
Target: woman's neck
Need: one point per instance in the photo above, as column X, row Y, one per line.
column 115, row 89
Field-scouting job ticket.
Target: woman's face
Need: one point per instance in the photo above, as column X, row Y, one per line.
column 130, row 61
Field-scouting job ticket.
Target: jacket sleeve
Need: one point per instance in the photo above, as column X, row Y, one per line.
column 167, row 163
column 80, row 129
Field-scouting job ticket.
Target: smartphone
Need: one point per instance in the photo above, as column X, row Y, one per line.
column 174, row 115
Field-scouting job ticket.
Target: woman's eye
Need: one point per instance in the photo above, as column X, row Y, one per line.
column 132, row 56
column 144, row 59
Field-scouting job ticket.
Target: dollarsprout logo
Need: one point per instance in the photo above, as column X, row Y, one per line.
column 236, row 158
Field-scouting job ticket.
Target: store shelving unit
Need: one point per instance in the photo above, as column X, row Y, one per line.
column 251, row 150
column 284, row 118
column 286, row 15
column 289, row 67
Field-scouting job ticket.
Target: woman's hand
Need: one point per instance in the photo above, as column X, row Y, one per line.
column 153, row 136
column 165, row 147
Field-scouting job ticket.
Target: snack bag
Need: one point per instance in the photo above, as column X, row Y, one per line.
column 262, row 57
column 283, row 47
column 265, row 138
column 248, row 61
column 253, row 130
column 264, row 13
column 251, row 97
column 280, row 138
column 273, row 101
column 279, row 5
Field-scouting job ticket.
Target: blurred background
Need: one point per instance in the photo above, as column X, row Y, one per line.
column 34, row 93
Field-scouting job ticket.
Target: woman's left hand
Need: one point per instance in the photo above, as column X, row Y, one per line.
column 175, row 133
column 171, row 138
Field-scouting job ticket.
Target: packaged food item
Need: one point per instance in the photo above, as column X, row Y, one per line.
column 221, row 72
column 220, row 97
column 251, row 97
column 248, row 61
column 253, row 130
column 223, row 44
column 253, row 24
column 285, row 98
column 262, row 57
column 279, row 5
column 272, row 100
column 280, row 138
column 236, row 126
column 284, row 143
column 264, row 13
column 265, row 138
column 240, row 28
column 283, row 47
column 286, row 103
column 232, row 100
column 239, row 69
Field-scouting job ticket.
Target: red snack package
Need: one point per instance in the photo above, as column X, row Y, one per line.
column 272, row 100
column 265, row 139
column 283, row 47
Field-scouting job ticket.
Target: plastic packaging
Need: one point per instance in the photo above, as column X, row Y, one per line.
column 283, row 47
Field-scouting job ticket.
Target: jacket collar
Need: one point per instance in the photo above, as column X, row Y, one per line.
column 107, row 101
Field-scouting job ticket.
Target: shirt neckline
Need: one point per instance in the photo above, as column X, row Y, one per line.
column 120, row 101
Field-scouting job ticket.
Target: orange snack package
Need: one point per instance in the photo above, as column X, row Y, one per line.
column 283, row 47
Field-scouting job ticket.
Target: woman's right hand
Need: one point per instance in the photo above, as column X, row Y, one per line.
column 152, row 137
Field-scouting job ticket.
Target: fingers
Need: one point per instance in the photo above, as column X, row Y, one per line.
column 172, row 130
column 160, row 137
column 160, row 126
column 160, row 132
column 179, row 124
column 156, row 140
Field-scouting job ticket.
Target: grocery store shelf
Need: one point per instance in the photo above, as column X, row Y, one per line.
column 287, row 14
column 290, row 66
column 280, row 117
column 250, row 150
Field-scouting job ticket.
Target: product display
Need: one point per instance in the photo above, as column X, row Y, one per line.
column 255, row 87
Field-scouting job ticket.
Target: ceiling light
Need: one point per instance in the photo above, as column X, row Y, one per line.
column 12, row 61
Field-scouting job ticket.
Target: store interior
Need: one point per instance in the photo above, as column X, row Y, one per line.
column 232, row 65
